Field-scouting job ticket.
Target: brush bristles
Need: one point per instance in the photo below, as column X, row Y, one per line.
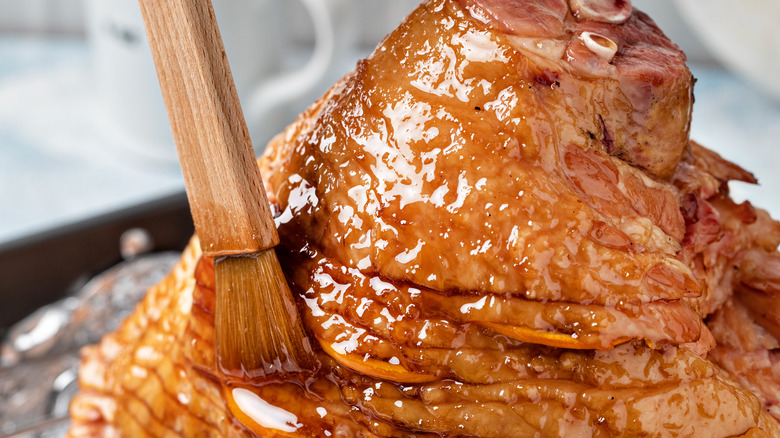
column 258, row 330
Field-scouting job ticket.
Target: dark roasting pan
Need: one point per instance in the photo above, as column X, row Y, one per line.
column 40, row 269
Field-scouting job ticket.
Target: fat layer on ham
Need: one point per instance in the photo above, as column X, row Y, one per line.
column 495, row 226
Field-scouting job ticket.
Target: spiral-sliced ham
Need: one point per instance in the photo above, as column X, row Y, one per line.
column 495, row 226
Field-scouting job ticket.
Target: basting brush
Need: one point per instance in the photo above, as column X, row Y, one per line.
column 258, row 329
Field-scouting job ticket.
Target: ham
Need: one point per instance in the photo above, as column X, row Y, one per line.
column 495, row 226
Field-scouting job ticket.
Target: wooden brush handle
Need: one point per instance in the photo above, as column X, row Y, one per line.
column 223, row 182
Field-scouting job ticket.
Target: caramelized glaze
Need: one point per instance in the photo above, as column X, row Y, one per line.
column 490, row 232
column 557, row 391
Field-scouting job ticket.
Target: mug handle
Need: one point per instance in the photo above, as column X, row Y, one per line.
column 285, row 87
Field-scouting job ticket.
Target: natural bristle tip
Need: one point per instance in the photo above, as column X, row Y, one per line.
column 258, row 329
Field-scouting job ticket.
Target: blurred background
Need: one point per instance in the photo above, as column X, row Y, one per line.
column 86, row 153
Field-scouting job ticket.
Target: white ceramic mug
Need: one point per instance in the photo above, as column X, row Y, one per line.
column 744, row 35
column 254, row 38
column 359, row 26
column 272, row 107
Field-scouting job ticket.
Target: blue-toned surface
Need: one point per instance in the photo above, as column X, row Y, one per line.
column 59, row 162
column 742, row 124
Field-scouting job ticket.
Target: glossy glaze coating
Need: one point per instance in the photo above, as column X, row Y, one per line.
column 441, row 164
column 446, row 207
column 492, row 231
column 636, row 103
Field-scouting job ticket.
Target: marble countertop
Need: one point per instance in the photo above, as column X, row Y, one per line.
column 59, row 163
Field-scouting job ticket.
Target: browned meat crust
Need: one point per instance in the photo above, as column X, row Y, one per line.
column 486, row 239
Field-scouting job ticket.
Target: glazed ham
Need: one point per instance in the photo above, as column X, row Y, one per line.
column 455, row 176
column 495, row 226
column 615, row 81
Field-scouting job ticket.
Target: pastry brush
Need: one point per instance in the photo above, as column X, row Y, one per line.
column 258, row 330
